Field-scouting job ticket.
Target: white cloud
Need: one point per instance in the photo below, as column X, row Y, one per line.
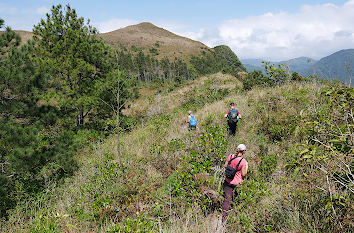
column 207, row 36
column 349, row 3
column 315, row 31
column 42, row 10
column 114, row 24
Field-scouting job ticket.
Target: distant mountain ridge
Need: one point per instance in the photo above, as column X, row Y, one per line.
column 339, row 65
column 253, row 61
column 299, row 64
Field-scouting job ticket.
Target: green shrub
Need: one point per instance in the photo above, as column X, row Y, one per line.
column 255, row 78
column 268, row 165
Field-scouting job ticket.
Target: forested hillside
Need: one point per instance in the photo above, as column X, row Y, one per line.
column 338, row 65
column 94, row 139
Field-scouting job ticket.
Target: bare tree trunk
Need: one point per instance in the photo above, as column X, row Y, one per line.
column 350, row 81
column 81, row 117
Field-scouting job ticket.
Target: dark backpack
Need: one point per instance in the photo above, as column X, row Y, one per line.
column 233, row 114
column 230, row 172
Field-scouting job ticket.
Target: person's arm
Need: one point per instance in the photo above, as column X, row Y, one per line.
column 227, row 113
column 227, row 161
column 239, row 115
column 244, row 170
column 189, row 118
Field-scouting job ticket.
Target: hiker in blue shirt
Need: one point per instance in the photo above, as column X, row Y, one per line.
column 192, row 121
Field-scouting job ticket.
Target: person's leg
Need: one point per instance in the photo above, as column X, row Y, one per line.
column 230, row 127
column 228, row 192
column 233, row 128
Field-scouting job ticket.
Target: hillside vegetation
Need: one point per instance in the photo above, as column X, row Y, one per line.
column 94, row 139
column 170, row 180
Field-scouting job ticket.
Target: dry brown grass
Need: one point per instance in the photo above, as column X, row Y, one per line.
column 149, row 104
column 25, row 35
column 146, row 35
column 194, row 222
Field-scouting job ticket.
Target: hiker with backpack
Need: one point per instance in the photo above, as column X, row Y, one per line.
column 192, row 121
column 236, row 168
column 232, row 115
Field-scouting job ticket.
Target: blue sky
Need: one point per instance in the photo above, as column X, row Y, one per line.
column 272, row 29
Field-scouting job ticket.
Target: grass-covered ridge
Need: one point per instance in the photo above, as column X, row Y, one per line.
column 300, row 148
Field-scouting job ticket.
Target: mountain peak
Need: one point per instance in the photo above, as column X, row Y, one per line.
column 144, row 25
column 147, row 28
column 147, row 35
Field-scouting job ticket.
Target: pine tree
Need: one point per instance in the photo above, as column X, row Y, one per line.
column 17, row 134
column 69, row 50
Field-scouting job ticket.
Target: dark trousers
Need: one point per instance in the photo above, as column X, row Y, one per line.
column 232, row 127
column 191, row 127
column 229, row 193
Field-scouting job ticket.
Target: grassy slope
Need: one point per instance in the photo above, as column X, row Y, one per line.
column 146, row 35
column 103, row 194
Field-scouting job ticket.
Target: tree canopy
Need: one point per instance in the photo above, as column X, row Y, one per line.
column 74, row 58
